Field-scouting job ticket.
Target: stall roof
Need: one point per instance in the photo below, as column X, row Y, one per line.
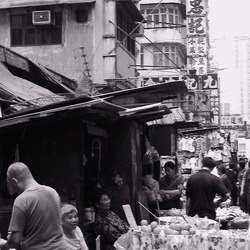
column 176, row 115
column 89, row 108
column 5, row 4
column 146, row 95
column 196, row 129
column 50, row 110
column 147, row 112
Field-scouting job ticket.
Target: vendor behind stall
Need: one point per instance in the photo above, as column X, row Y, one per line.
column 171, row 186
column 118, row 191
column 107, row 223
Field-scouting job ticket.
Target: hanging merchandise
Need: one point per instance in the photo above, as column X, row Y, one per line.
column 96, row 146
column 192, row 147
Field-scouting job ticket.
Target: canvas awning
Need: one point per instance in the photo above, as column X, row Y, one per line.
column 6, row 4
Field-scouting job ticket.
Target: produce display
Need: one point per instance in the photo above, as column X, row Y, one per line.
column 176, row 232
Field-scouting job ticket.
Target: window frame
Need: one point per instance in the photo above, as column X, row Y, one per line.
column 124, row 24
column 27, row 29
column 171, row 51
column 168, row 14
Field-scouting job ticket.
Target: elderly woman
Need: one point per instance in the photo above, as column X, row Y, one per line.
column 107, row 223
column 72, row 233
column 171, row 186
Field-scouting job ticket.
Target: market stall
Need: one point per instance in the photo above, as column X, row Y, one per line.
column 184, row 233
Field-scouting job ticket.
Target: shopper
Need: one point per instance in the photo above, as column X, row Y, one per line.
column 151, row 187
column 171, row 187
column 202, row 187
column 35, row 222
column 107, row 223
column 221, row 169
column 231, row 175
column 72, row 233
column 245, row 189
column 242, row 198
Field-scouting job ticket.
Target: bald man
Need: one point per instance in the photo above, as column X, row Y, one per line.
column 35, row 222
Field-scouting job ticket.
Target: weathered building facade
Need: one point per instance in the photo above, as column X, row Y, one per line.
column 83, row 39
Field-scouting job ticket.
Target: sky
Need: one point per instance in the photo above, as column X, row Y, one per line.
column 229, row 20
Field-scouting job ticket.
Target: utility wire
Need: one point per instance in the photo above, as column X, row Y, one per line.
column 145, row 46
column 137, row 26
column 140, row 23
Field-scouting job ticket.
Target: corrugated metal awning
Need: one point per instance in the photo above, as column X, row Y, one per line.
column 6, row 4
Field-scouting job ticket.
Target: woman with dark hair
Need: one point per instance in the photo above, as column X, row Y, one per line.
column 171, row 186
column 150, row 187
column 107, row 223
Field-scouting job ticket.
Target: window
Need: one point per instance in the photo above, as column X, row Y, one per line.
column 162, row 16
column 24, row 33
column 82, row 15
column 158, row 58
column 168, row 56
column 125, row 27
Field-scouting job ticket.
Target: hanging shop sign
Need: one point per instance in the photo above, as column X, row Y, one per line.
column 206, row 82
column 233, row 122
column 209, row 81
column 196, row 7
column 196, row 36
column 197, row 106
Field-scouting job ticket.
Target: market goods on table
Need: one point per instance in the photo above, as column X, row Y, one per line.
column 175, row 232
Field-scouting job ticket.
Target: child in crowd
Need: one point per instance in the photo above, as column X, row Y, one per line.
column 72, row 233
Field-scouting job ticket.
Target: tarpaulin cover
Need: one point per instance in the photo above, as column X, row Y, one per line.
column 20, row 88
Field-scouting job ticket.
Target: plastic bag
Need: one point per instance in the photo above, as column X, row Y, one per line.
column 124, row 241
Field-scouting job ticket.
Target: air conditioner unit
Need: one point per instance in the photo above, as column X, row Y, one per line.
column 42, row 17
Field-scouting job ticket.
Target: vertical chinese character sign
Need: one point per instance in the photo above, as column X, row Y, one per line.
column 196, row 36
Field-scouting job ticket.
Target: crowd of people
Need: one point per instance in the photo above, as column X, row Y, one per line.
column 40, row 221
column 215, row 184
